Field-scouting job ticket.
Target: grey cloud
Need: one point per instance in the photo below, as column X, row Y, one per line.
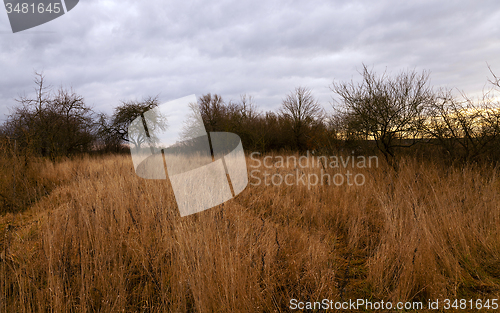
column 117, row 50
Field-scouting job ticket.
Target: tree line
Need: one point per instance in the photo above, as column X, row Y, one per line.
column 388, row 114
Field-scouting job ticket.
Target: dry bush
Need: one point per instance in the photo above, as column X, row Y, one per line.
column 107, row 240
column 24, row 179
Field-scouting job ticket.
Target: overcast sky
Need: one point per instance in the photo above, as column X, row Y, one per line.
column 127, row 50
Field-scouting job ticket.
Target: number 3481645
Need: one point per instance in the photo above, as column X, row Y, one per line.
column 33, row 8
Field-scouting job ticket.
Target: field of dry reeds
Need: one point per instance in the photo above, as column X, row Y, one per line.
column 94, row 237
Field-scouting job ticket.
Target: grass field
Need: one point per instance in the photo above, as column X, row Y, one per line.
column 96, row 237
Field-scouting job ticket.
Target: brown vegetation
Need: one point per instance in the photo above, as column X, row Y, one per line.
column 106, row 240
column 82, row 232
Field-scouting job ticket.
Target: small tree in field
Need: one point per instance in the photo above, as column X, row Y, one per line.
column 389, row 110
column 52, row 124
column 213, row 112
column 115, row 130
column 304, row 114
column 465, row 128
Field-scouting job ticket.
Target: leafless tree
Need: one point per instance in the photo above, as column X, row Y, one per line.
column 52, row 124
column 495, row 81
column 213, row 111
column 115, row 130
column 466, row 129
column 304, row 114
column 386, row 109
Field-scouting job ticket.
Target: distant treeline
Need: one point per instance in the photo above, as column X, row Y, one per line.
column 380, row 113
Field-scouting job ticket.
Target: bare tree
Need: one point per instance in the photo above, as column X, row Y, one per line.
column 125, row 113
column 193, row 125
column 247, row 108
column 213, row 111
column 52, row 124
column 465, row 129
column 304, row 114
column 495, row 81
column 386, row 109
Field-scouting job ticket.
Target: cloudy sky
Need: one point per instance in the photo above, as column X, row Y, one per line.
column 127, row 50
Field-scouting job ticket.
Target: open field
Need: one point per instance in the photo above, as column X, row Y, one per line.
column 96, row 237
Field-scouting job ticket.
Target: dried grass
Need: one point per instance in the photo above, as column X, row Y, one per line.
column 105, row 240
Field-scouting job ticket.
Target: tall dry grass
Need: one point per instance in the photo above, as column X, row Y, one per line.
column 25, row 179
column 106, row 240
